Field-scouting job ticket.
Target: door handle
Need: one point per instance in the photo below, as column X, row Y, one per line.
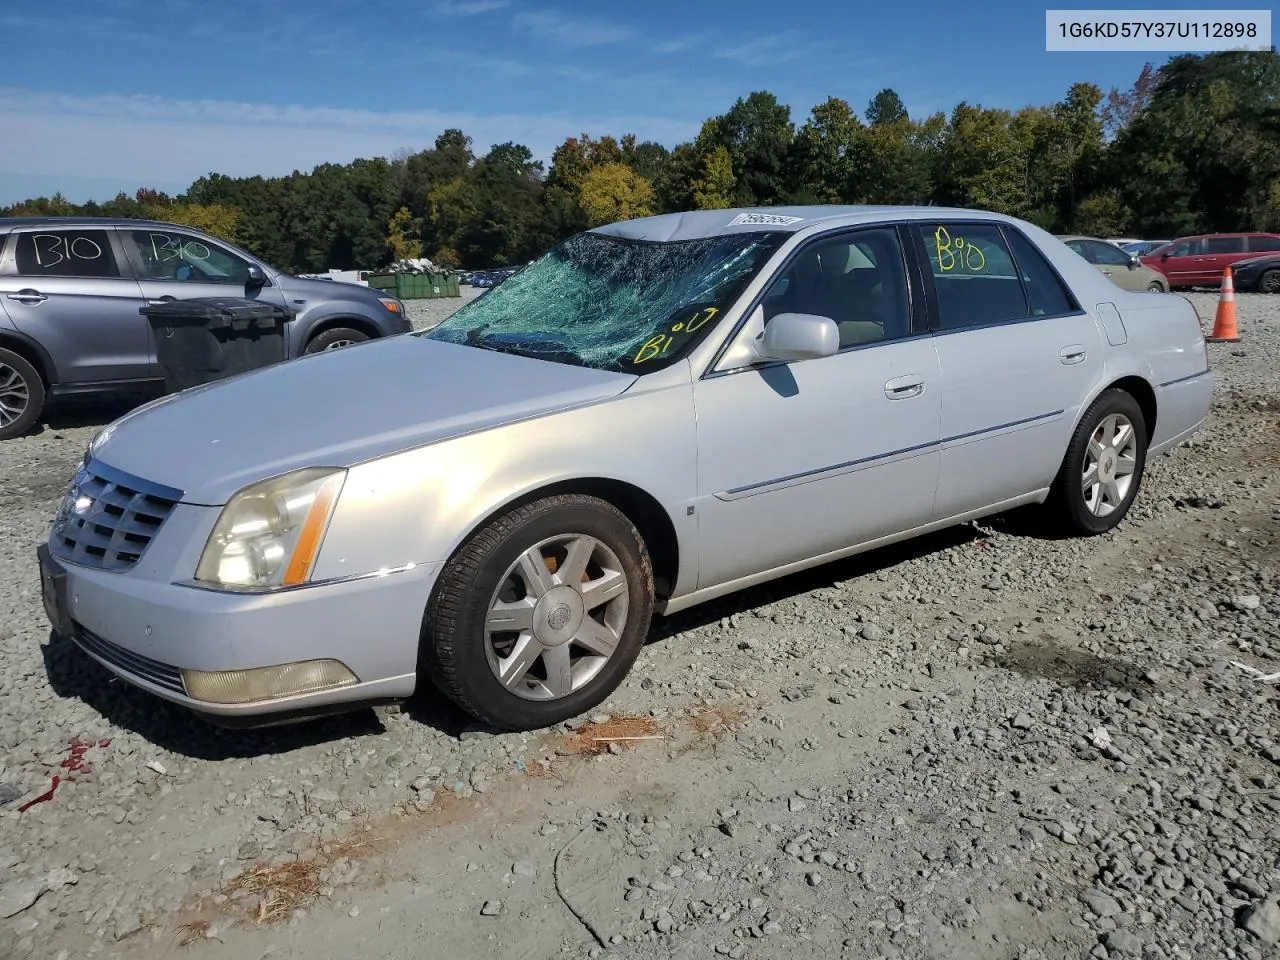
column 156, row 303
column 1072, row 354
column 28, row 296
column 903, row 388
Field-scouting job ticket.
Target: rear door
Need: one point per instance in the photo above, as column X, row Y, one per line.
column 1220, row 253
column 1017, row 354
column 70, row 289
column 1114, row 264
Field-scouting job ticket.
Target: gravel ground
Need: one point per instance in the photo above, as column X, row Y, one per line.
column 987, row 743
column 426, row 314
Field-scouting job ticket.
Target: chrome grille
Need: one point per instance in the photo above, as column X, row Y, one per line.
column 108, row 518
column 134, row 664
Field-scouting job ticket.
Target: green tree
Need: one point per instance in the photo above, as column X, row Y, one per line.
column 757, row 133
column 825, row 154
column 886, row 107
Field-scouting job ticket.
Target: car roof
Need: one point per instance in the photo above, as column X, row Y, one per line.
column 700, row 224
column 9, row 223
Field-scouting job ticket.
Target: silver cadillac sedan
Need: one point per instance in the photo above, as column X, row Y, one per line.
column 653, row 414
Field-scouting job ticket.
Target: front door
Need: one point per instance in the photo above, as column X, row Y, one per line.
column 797, row 460
column 1017, row 355
column 1182, row 263
column 176, row 265
column 71, row 290
column 1114, row 264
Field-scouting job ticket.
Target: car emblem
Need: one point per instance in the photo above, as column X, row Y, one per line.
column 559, row 617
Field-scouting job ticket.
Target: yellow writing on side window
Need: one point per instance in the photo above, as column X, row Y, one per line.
column 953, row 252
column 659, row 344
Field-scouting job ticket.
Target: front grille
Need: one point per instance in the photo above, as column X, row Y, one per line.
column 135, row 664
column 108, row 518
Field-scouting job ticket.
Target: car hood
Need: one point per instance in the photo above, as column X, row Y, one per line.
column 1256, row 261
column 312, row 288
column 336, row 409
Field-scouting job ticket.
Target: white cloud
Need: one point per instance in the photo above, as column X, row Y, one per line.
column 147, row 139
column 470, row 8
column 573, row 31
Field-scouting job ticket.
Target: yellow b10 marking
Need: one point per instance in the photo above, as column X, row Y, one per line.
column 958, row 251
column 659, row 344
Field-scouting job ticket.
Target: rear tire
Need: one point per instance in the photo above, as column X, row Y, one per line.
column 335, row 339
column 1103, row 467
column 1156, row 287
column 22, row 395
column 520, row 646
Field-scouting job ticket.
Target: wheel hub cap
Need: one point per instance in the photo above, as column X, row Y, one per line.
column 558, row 616
column 1109, row 464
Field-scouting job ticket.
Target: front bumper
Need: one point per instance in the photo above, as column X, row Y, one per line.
column 146, row 631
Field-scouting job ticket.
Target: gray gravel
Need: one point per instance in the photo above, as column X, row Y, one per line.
column 985, row 744
column 426, row 314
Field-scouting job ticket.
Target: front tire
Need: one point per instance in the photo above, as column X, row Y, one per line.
column 541, row 614
column 1155, row 286
column 1269, row 282
column 22, row 395
column 335, row 339
column 1103, row 468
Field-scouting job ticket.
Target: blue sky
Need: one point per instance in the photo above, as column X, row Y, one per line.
column 159, row 92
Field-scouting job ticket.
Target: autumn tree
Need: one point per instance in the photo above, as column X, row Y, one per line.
column 404, row 236
column 613, row 192
column 714, row 187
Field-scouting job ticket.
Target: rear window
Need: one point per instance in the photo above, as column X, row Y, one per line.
column 1045, row 291
column 1261, row 244
column 65, row 253
column 973, row 274
column 1224, row 245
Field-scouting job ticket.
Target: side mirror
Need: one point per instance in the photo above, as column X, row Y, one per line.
column 256, row 277
column 1164, row 256
column 798, row 336
column 1133, row 261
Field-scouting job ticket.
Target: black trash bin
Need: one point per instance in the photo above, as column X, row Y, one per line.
column 209, row 338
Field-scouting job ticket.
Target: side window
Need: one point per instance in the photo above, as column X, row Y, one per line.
column 1264, row 244
column 857, row 279
column 1045, row 291
column 1108, row 255
column 66, row 253
column 163, row 255
column 973, row 274
column 1225, row 245
column 1082, row 248
column 1187, row 248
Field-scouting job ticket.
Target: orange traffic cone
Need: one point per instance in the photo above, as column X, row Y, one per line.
column 1224, row 324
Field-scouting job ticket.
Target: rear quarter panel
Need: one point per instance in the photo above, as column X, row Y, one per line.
column 1166, row 347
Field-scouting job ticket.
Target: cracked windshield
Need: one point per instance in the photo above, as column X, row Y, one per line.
column 614, row 304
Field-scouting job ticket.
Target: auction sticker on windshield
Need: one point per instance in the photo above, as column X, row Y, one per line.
column 774, row 219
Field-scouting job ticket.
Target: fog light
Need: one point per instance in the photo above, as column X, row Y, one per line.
column 266, row 683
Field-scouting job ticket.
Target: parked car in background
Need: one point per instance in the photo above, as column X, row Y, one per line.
column 1123, row 269
column 501, row 504
column 1257, row 273
column 1201, row 260
column 71, row 290
column 1140, row 248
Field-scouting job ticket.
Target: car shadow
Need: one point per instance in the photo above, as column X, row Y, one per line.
column 815, row 578
column 74, row 674
column 75, row 412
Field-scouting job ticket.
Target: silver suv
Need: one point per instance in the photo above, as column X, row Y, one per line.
column 71, row 290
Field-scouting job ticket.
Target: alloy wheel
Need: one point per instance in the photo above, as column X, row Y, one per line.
column 1110, row 460
column 557, row 617
column 15, row 395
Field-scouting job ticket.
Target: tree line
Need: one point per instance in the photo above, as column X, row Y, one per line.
column 1193, row 146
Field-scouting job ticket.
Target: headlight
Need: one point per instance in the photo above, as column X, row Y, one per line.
column 269, row 534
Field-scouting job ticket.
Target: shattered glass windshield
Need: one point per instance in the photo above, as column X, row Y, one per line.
column 633, row 306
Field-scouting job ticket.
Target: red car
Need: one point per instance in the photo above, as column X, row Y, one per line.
column 1200, row 261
